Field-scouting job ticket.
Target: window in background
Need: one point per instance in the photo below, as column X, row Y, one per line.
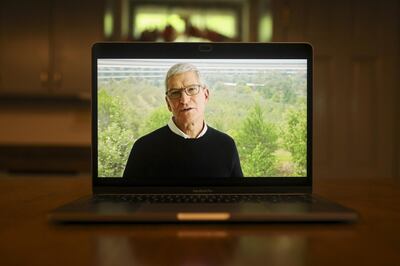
column 265, row 28
column 181, row 20
column 185, row 23
column 108, row 22
column 265, row 22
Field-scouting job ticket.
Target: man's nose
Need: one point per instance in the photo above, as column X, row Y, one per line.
column 184, row 97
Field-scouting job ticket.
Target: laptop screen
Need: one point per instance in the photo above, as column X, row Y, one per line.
column 241, row 118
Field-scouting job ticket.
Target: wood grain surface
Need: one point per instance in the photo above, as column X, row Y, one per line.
column 28, row 238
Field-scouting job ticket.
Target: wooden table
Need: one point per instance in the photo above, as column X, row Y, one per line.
column 27, row 238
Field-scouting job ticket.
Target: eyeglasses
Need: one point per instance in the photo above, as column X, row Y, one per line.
column 189, row 90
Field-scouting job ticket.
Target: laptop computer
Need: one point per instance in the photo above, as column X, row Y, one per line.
column 202, row 132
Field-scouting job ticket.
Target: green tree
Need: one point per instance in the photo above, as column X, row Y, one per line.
column 115, row 135
column 109, row 110
column 294, row 136
column 158, row 118
column 257, row 141
column 114, row 146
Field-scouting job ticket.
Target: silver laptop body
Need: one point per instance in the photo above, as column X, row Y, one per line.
column 254, row 88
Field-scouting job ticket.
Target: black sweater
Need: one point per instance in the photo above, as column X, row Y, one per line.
column 163, row 153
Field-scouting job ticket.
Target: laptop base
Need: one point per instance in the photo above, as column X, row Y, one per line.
column 89, row 209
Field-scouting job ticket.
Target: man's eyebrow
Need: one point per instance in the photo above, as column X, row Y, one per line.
column 184, row 86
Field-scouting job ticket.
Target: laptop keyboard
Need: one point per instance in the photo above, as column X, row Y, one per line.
column 205, row 198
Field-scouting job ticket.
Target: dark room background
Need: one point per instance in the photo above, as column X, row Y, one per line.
column 45, row 81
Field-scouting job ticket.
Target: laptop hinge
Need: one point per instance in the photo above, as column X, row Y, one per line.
column 201, row 190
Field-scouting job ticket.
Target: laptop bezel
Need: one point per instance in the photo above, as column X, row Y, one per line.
column 113, row 50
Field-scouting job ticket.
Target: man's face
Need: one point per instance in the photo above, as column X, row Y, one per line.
column 187, row 109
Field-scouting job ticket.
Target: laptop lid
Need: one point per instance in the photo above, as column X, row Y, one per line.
column 260, row 96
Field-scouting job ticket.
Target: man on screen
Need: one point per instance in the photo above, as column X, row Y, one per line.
column 186, row 146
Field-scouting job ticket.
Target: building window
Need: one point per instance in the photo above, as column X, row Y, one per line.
column 159, row 22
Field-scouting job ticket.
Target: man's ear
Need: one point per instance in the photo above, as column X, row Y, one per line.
column 169, row 107
column 206, row 93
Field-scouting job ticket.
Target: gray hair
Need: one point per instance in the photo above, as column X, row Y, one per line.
column 182, row 68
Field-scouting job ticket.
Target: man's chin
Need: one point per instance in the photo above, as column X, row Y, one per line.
column 186, row 118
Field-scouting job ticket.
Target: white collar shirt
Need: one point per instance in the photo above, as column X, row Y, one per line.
column 172, row 126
